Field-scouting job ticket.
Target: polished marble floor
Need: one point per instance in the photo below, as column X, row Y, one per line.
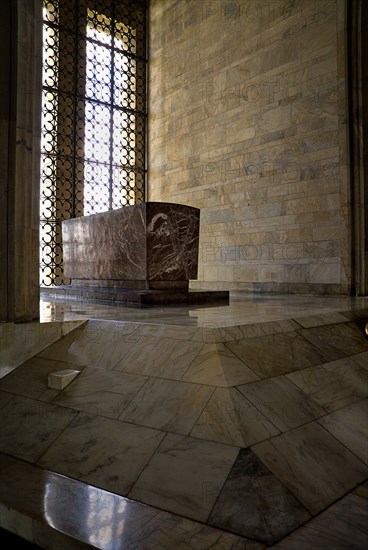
column 239, row 426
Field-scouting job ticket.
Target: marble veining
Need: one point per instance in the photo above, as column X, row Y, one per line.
column 314, row 466
column 167, row 405
column 104, row 452
column 185, row 476
column 152, row 241
column 163, row 357
column 350, row 426
column 97, row 344
column 338, row 340
column 283, row 403
column 29, row 427
column 342, row 526
column 334, row 384
column 276, row 354
column 100, row 392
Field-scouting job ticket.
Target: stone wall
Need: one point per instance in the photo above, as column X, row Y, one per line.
column 247, row 121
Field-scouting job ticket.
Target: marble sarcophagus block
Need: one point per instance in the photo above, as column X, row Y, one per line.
column 153, row 245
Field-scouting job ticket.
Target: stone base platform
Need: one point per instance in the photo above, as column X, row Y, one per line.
column 136, row 297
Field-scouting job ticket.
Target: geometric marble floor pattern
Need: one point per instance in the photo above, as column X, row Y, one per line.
column 174, row 437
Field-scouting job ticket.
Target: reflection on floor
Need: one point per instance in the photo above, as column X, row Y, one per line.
column 240, row 426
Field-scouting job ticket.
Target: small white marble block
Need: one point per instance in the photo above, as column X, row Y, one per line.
column 60, row 379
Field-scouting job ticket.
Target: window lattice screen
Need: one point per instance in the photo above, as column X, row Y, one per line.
column 93, row 116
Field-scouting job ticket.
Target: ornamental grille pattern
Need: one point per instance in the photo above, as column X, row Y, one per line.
column 93, row 116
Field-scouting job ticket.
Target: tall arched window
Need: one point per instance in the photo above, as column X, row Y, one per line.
column 93, row 115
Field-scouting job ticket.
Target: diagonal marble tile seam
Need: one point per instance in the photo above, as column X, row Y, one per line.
column 305, row 332
column 173, row 450
column 122, row 416
column 240, row 430
column 76, row 383
column 307, row 397
column 330, row 318
column 339, row 441
column 317, row 532
column 258, row 409
column 257, row 338
column 58, row 435
column 364, row 399
column 311, row 344
column 293, row 490
column 303, row 392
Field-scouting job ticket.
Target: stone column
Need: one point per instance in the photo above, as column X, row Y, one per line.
column 20, row 121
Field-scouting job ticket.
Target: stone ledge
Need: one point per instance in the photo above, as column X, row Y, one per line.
column 138, row 298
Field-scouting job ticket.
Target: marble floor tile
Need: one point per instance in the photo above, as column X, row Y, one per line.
column 97, row 344
column 175, row 532
column 314, row 466
column 159, row 330
column 266, row 328
column 29, row 427
column 101, row 392
column 336, row 341
column 321, row 319
column 350, row 426
column 362, row 490
column 5, row 461
column 343, row 526
column 167, row 405
column 282, row 402
column 276, row 354
column 30, row 379
column 215, row 332
column 359, row 326
column 185, row 476
column 356, row 313
column 335, row 384
column 216, row 365
column 107, row 453
column 361, row 359
column 230, row 418
column 4, row 398
column 163, row 357
column 255, row 504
